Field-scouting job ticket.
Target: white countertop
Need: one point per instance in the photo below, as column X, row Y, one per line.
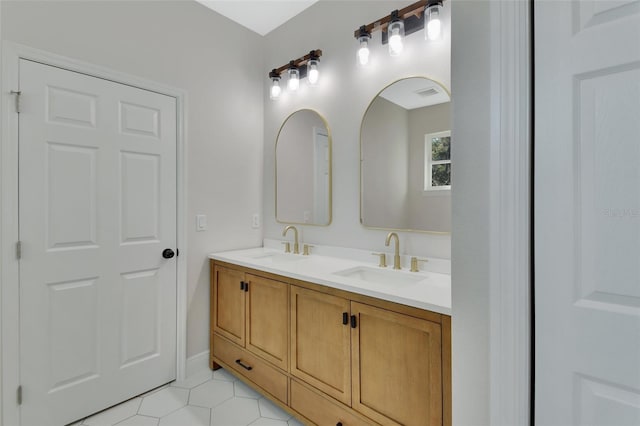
column 425, row 290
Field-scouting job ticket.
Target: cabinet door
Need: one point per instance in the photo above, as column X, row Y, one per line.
column 320, row 342
column 397, row 367
column 268, row 320
column 229, row 305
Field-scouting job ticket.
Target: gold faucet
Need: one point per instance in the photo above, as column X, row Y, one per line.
column 296, row 248
column 396, row 256
column 414, row 263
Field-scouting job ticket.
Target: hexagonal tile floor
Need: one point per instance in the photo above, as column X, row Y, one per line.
column 205, row 399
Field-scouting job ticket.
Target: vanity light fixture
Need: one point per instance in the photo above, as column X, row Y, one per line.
column 313, row 71
column 297, row 69
column 424, row 14
column 294, row 77
column 275, row 85
column 395, row 33
column 432, row 22
column 363, row 52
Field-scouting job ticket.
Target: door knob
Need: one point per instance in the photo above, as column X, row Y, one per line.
column 168, row 253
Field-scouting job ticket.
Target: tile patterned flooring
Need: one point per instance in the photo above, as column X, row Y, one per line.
column 206, row 399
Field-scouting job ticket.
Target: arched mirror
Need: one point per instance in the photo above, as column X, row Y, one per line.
column 405, row 167
column 303, row 170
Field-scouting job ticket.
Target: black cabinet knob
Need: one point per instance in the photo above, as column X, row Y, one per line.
column 168, row 253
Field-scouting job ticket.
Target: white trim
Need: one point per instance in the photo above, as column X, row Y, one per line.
column 427, row 184
column 9, row 269
column 181, row 227
column 198, row 363
column 510, row 295
column 9, row 293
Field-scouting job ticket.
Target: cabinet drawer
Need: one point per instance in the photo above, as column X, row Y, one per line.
column 260, row 373
column 320, row 410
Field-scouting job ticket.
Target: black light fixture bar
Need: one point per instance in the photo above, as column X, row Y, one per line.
column 381, row 24
column 412, row 16
column 412, row 24
column 314, row 54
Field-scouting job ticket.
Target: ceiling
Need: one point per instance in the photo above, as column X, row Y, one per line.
column 260, row 16
column 412, row 93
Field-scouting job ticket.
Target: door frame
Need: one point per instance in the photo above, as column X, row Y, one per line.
column 9, row 215
column 492, row 290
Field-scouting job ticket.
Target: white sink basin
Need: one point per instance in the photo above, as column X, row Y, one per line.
column 381, row 276
column 277, row 258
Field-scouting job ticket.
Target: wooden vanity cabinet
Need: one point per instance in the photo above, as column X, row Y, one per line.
column 250, row 325
column 396, row 367
column 384, row 364
column 331, row 356
column 228, row 317
column 321, row 342
column 252, row 312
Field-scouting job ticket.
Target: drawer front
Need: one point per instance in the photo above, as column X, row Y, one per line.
column 320, row 410
column 256, row 370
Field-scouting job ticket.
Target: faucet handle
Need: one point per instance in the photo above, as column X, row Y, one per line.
column 305, row 249
column 287, row 246
column 414, row 263
column 383, row 259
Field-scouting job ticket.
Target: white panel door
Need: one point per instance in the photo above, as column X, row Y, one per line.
column 587, row 212
column 97, row 208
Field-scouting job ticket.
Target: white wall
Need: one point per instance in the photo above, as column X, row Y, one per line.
column 184, row 45
column 472, row 189
column 385, row 156
column 430, row 210
column 342, row 96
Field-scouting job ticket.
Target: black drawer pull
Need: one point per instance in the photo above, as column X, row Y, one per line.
column 241, row 285
column 354, row 324
column 246, row 367
column 345, row 318
column 339, row 424
column 246, row 286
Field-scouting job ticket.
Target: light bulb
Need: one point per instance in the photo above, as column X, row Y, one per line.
column 396, row 33
column 363, row 52
column 433, row 25
column 294, row 80
column 313, row 73
column 276, row 89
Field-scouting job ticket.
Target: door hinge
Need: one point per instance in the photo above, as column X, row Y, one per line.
column 19, row 395
column 19, row 250
column 18, row 94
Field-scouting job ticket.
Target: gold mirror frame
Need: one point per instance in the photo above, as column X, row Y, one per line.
column 422, row 231
column 330, row 139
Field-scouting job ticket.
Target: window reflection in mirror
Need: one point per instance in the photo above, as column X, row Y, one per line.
column 405, row 144
column 303, row 170
column 437, row 162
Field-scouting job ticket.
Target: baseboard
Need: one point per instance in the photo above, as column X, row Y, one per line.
column 197, row 363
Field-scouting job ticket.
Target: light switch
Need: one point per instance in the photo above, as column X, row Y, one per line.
column 201, row 222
